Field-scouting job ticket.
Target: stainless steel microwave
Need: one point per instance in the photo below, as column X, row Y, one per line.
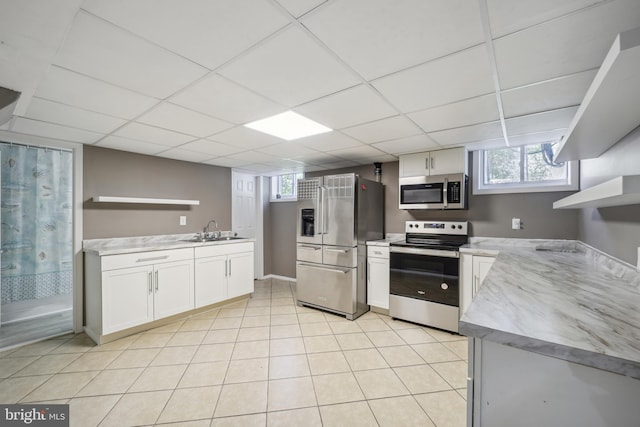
column 433, row 192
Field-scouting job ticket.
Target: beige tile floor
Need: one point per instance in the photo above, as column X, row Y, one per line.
column 259, row 362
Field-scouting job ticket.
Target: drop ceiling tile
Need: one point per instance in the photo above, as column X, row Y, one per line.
column 285, row 164
column 349, row 107
column 242, row 137
column 180, row 119
column 412, row 144
column 291, row 68
column 152, row 134
column 207, row 32
column 463, row 113
column 318, row 158
column 31, row 33
column 286, row 150
column 378, row 37
column 213, row 148
column 51, row 130
column 252, row 157
column 548, row 120
column 84, row 92
column 357, row 154
column 575, row 43
column 383, row 130
column 468, row 134
column 507, row 16
column 126, row 144
column 548, row 95
column 338, row 165
column 329, row 141
column 487, row 144
column 226, row 162
column 186, row 155
column 453, row 78
column 99, row 49
column 54, row 112
column 314, row 168
column 218, row 97
column 256, row 169
column 299, row 7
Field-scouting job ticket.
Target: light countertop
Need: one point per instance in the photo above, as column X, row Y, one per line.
column 390, row 237
column 123, row 245
column 563, row 299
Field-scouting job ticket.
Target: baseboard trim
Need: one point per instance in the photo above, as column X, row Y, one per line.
column 277, row 276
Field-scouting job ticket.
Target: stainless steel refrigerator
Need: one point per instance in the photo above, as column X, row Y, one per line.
column 337, row 214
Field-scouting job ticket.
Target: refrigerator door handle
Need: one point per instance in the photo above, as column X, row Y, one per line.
column 325, row 211
column 319, row 223
column 342, row 251
column 335, row 270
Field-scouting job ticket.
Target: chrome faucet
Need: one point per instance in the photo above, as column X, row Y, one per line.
column 205, row 230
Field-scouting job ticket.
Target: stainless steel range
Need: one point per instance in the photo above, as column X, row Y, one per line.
column 424, row 276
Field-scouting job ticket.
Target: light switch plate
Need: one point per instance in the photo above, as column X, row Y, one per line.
column 183, row 220
column 515, row 223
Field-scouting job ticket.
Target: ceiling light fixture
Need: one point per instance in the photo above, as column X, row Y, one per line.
column 288, row 126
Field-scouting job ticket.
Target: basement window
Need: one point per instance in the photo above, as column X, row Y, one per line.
column 283, row 187
column 524, row 169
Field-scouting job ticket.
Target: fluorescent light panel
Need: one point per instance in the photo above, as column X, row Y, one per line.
column 288, row 126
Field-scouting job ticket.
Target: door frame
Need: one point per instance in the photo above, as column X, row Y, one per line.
column 78, row 272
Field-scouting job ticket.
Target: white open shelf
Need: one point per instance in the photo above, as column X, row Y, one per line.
column 610, row 109
column 112, row 199
column 620, row 191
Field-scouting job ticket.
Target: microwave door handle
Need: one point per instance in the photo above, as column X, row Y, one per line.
column 444, row 192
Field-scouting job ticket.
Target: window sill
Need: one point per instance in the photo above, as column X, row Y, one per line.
column 282, row 200
column 524, row 189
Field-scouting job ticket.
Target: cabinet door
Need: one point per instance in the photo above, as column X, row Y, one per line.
column 240, row 280
column 414, row 165
column 127, row 298
column 448, row 161
column 378, row 282
column 173, row 288
column 211, row 280
column 481, row 266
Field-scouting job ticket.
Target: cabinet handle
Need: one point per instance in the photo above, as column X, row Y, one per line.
column 226, row 269
column 157, row 281
column 475, row 285
column 229, row 268
column 432, row 163
column 150, row 282
column 426, row 163
column 368, row 270
column 154, row 258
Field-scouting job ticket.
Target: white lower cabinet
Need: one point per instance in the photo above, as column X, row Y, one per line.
column 223, row 272
column 127, row 290
column 378, row 276
column 474, row 269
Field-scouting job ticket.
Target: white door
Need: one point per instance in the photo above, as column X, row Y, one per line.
column 244, row 210
column 211, row 280
column 378, row 282
column 240, row 274
column 127, row 298
column 481, row 266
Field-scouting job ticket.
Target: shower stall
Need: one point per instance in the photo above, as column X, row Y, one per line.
column 36, row 261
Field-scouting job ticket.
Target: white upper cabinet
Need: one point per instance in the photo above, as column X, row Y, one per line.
column 610, row 108
column 438, row 162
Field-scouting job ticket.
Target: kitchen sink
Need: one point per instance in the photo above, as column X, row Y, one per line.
column 212, row 239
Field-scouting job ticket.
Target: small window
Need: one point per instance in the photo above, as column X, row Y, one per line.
column 528, row 168
column 283, row 187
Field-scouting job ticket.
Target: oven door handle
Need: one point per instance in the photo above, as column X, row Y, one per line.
column 425, row 252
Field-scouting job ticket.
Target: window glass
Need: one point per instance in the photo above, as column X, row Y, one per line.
column 283, row 187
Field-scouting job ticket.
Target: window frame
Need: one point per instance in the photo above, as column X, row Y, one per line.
column 276, row 186
column 479, row 188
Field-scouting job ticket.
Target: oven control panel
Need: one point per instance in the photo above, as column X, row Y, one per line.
column 437, row 227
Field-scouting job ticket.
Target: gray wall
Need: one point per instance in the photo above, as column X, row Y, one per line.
column 489, row 215
column 119, row 173
column 614, row 230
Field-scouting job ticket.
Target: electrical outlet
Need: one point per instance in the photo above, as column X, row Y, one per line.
column 515, row 224
column 183, row 220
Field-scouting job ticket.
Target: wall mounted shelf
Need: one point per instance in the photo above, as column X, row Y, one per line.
column 610, row 109
column 112, row 199
column 620, row 191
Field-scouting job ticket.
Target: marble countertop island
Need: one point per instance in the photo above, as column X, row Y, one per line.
column 123, row 245
column 562, row 299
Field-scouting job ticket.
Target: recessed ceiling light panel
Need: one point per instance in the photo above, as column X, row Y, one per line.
column 288, row 126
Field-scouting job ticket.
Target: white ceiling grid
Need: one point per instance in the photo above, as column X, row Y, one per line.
column 179, row 79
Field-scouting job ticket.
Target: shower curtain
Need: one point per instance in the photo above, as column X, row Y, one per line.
column 36, row 218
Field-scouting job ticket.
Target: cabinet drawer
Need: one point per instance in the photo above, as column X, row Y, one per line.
column 112, row 262
column 223, row 249
column 340, row 255
column 378, row 251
